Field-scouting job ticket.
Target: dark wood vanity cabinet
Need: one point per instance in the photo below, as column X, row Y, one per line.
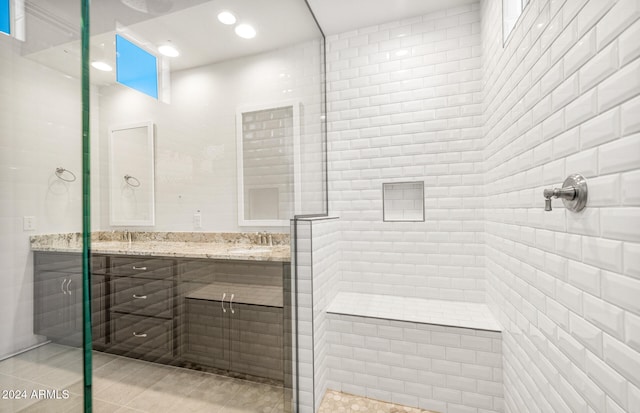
column 228, row 315
column 244, row 339
column 132, row 302
column 232, row 316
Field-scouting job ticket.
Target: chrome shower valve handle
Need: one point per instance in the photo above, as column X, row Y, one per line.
column 573, row 194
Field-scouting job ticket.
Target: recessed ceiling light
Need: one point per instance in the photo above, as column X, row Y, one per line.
column 100, row 65
column 226, row 17
column 246, row 31
column 168, row 50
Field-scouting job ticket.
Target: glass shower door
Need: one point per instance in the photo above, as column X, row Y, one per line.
column 208, row 128
column 41, row 296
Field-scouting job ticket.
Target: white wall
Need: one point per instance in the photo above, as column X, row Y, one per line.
column 404, row 104
column 40, row 119
column 196, row 132
column 561, row 97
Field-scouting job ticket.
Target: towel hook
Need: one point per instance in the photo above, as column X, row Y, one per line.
column 60, row 170
column 128, row 178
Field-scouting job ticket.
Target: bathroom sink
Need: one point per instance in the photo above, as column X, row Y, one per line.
column 250, row 250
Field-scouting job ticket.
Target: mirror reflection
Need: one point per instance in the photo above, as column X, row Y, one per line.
column 131, row 175
column 267, row 145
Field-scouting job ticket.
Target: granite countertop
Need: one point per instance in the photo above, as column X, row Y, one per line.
column 215, row 246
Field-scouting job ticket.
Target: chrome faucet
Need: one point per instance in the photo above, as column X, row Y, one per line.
column 563, row 193
column 573, row 194
column 265, row 238
column 126, row 236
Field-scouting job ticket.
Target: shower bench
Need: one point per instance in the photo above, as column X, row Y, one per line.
column 444, row 356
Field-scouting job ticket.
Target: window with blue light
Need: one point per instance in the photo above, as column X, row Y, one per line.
column 511, row 11
column 5, row 17
column 135, row 67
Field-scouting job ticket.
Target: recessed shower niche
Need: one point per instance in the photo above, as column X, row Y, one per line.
column 403, row 201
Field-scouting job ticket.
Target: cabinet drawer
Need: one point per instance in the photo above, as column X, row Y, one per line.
column 142, row 267
column 48, row 261
column 142, row 335
column 142, row 296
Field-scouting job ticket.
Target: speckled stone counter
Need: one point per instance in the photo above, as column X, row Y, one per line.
column 229, row 246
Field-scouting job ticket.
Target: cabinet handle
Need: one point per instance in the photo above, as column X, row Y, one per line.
column 139, row 268
column 231, row 303
column 62, row 286
column 223, row 297
column 143, row 297
column 69, row 285
column 143, row 335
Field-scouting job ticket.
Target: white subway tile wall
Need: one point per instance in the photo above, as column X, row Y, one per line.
column 561, row 97
column 405, row 104
column 439, row 368
column 316, row 258
column 325, row 237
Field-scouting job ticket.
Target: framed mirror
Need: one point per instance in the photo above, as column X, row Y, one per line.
column 268, row 142
column 131, row 175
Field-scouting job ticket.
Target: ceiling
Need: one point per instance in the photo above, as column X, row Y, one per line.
column 191, row 25
column 339, row 16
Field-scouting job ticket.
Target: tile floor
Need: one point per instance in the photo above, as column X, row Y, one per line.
column 124, row 385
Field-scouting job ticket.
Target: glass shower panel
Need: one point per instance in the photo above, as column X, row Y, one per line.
column 193, row 305
column 41, row 296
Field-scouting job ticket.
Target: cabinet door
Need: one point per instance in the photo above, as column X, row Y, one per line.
column 256, row 337
column 49, row 304
column 205, row 336
column 98, row 309
column 74, row 310
column 58, row 307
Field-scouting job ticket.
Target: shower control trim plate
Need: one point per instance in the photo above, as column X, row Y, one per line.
column 574, row 193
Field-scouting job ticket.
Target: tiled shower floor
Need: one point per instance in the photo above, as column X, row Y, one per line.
column 336, row 402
